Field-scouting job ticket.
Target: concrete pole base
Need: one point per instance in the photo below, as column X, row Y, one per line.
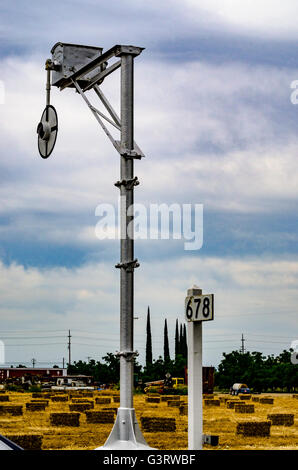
column 126, row 433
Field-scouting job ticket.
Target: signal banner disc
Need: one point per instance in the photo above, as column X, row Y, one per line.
column 47, row 130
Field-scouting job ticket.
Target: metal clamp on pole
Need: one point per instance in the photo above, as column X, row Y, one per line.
column 128, row 355
column 129, row 266
column 130, row 154
column 129, row 184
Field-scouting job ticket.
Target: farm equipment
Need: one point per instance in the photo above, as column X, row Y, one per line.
column 170, row 383
column 164, row 386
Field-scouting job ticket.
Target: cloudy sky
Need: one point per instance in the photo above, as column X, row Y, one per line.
column 214, row 117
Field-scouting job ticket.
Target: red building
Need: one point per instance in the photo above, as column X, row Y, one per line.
column 42, row 372
column 207, row 378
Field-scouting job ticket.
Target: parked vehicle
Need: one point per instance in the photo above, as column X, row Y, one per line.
column 162, row 386
column 239, row 388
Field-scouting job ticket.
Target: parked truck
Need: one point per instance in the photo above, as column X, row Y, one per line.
column 239, row 388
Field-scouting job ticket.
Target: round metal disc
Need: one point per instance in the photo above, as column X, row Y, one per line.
column 47, row 130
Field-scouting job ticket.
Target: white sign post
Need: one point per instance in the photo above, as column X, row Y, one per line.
column 198, row 308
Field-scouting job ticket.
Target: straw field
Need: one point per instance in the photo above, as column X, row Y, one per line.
column 92, row 427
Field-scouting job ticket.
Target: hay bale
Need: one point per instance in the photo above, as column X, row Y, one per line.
column 231, row 404
column 35, row 406
column 81, row 406
column 166, row 397
column 211, row 402
column 26, row 441
column 103, row 400
column 254, row 428
column 41, row 395
column 115, row 410
column 13, row 410
column 170, row 397
column 65, row 419
column 243, row 408
column 183, row 410
column 295, row 395
column 37, row 400
column 74, row 393
column 255, row 399
column 4, row 397
column 152, row 400
column 87, row 394
column 173, row 403
column 59, row 398
column 281, row 419
column 266, row 401
column 154, row 424
column 100, row 416
column 224, row 399
column 245, row 397
column 82, row 400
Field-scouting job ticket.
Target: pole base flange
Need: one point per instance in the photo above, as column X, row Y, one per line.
column 126, row 433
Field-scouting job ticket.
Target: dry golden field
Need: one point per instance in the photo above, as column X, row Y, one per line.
column 217, row 420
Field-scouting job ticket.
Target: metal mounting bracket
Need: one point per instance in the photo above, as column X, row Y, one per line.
column 128, row 355
column 129, row 266
column 126, row 153
column 129, row 184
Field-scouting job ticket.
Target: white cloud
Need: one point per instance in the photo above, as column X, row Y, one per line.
column 266, row 17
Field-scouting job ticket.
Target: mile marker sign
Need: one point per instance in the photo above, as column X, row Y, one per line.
column 199, row 307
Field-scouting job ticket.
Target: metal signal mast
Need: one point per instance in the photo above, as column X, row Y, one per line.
column 84, row 68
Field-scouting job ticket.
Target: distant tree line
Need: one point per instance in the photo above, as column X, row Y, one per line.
column 258, row 372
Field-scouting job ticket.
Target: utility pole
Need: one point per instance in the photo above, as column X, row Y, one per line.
column 63, row 363
column 69, row 348
column 33, row 362
column 242, row 344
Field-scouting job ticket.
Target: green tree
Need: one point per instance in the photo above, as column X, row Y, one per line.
column 176, row 340
column 148, row 341
column 166, row 350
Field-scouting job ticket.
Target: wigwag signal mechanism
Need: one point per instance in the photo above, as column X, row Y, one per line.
column 84, row 68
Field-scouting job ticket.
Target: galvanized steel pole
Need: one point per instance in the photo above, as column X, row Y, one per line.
column 127, row 242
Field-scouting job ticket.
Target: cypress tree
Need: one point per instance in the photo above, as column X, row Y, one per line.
column 166, row 350
column 181, row 340
column 176, row 339
column 184, row 341
column 148, row 341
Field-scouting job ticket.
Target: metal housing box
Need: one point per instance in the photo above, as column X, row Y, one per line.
column 68, row 58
